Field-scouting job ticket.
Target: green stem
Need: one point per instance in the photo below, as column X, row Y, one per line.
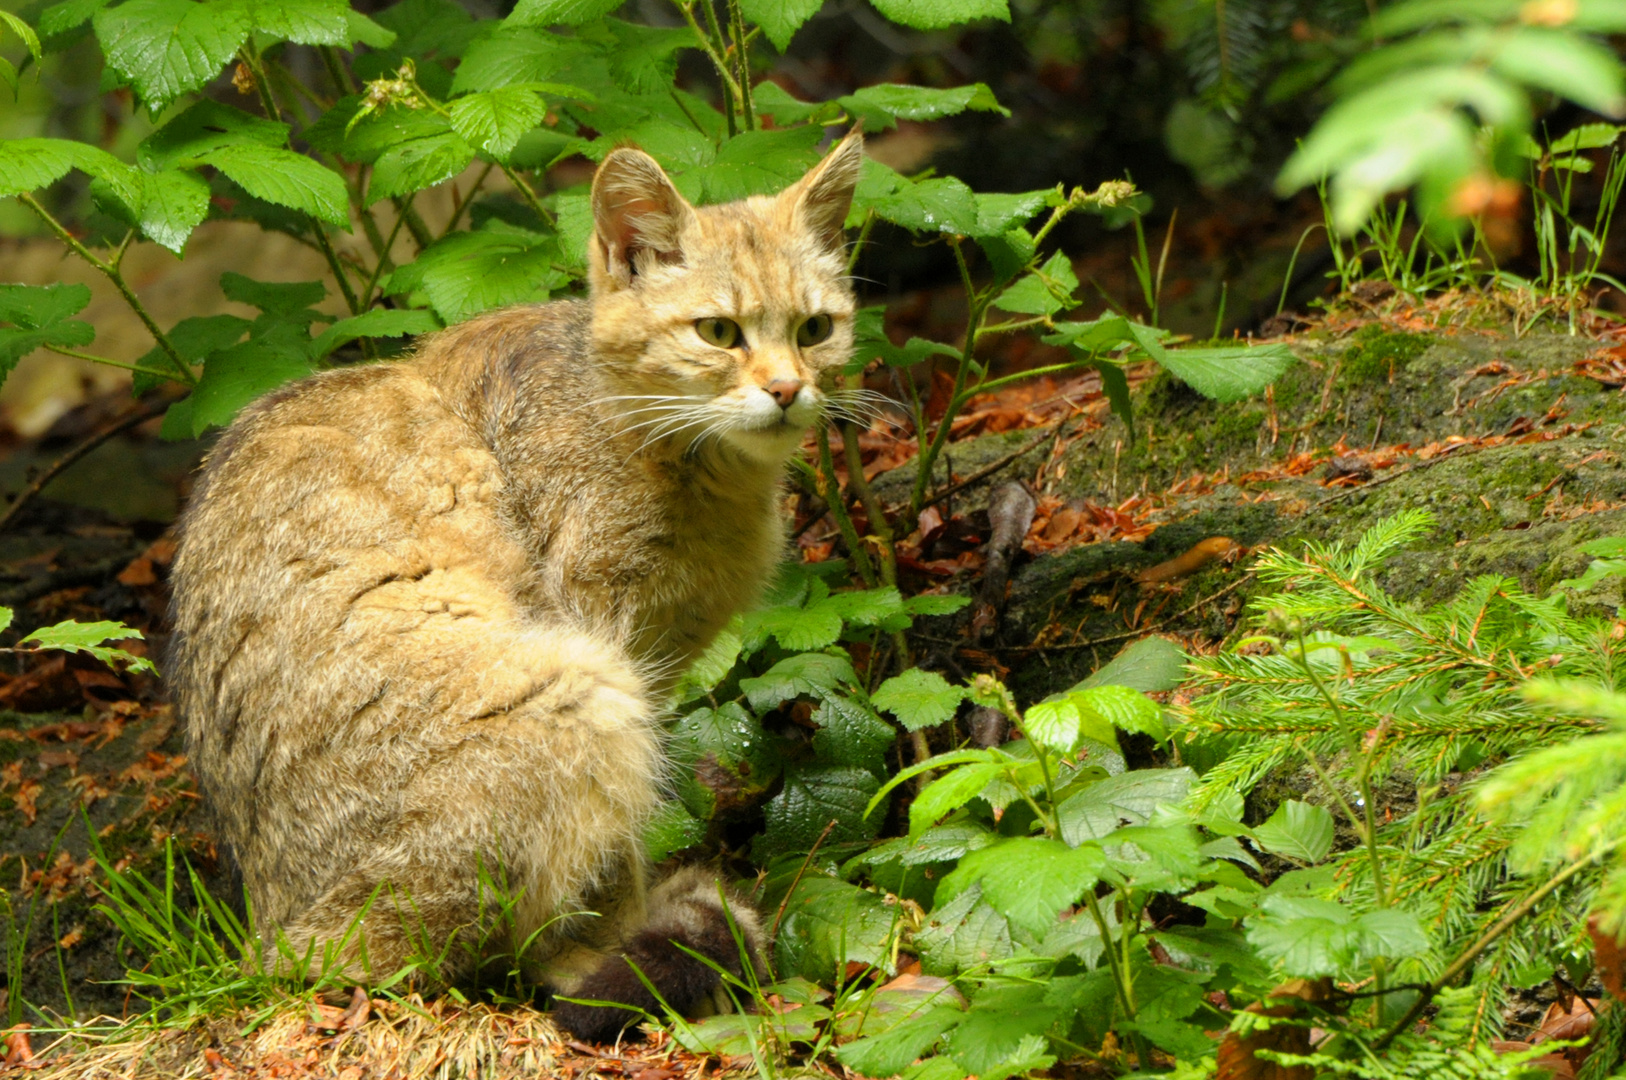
column 988, row 386
column 105, row 361
column 1120, row 976
column 1013, row 325
column 742, row 59
column 713, row 47
column 856, row 482
column 112, row 273
column 383, row 261
column 1500, row 927
column 928, row 456
column 342, row 80
column 529, row 193
column 830, row 492
column 863, row 238
column 420, row 232
column 463, row 203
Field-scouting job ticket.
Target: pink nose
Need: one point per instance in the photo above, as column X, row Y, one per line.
column 784, row 391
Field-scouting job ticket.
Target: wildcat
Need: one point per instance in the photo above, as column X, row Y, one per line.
column 426, row 612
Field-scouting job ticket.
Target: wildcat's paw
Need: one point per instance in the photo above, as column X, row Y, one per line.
column 686, row 913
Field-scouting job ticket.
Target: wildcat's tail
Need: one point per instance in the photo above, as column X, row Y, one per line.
column 686, row 912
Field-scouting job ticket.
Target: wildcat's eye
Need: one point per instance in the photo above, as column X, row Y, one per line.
column 814, row 330
column 723, row 333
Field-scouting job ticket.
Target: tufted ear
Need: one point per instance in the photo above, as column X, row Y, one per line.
column 637, row 216
column 823, row 197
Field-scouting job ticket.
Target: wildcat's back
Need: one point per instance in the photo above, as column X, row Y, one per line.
column 425, row 611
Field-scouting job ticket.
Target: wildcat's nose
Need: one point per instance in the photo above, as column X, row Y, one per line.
column 784, row 391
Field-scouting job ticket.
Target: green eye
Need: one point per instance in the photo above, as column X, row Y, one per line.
column 723, row 333
column 814, row 330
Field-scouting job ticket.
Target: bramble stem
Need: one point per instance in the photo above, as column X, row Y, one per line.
column 928, row 455
column 108, row 362
column 112, row 273
column 857, row 482
column 830, row 492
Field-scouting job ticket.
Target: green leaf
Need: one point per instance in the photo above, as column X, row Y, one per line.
column 368, row 32
column 412, row 166
column 814, row 797
column 829, row 924
column 58, row 19
column 206, row 126
column 928, row 604
column 1005, row 1021
column 1232, row 373
column 34, row 307
column 305, row 22
column 30, row 40
column 802, row 675
column 772, row 100
column 283, row 298
column 6, row 615
column 758, row 163
column 1151, row 665
column 728, row 759
column 795, row 628
column 945, row 843
column 965, row 932
column 1123, row 708
column 998, row 214
column 938, row 14
column 167, row 48
column 1565, row 64
column 881, row 106
column 949, row 792
column 286, row 179
column 780, row 19
column 30, row 164
column 559, row 12
column 495, row 120
column 173, row 204
column 892, row 1051
column 644, row 58
column 236, row 376
column 1127, row 799
column 671, row 830
column 89, row 638
column 1312, row 938
column 517, row 54
column 469, row 272
column 1297, row 831
column 1029, row 880
column 378, row 322
column 709, row 668
column 943, row 205
column 919, row 699
column 1044, row 291
column 851, row 734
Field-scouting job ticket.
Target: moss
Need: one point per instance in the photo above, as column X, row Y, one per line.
column 1375, row 354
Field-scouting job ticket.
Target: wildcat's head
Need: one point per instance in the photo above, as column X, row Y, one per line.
column 722, row 325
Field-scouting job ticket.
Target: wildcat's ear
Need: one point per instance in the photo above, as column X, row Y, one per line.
column 637, row 214
column 823, row 197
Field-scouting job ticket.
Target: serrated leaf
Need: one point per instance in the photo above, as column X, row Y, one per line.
column 1150, row 665
column 709, row 668
column 495, row 120
column 1226, row 374
column 305, row 22
column 850, row 733
column 283, row 298
column 167, row 48
column 926, row 604
column 963, row 933
column 90, row 638
column 945, row 843
column 829, row 924
column 795, row 628
column 205, row 126
column 802, row 675
column 286, row 179
column 34, row 307
column 644, row 59
column 418, row 164
column 365, row 30
column 559, row 12
column 469, row 272
column 1127, row 799
column 6, row 615
column 1297, row 830
column 780, row 19
column 30, row 164
column 1123, row 708
column 16, row 344
column 1005, row 1021
column 882, row 105
column 236, row 376
column 58, row 19
column 811, row 800
column 919, row 699
column 948, row 793
column 378, row 322
column 938, row 14
column 774, row 101
column 1044, row 291
column 1313, row 938
column 173, row 203
column 517, row 54
column 758, row 163
column 670, row 830
column 942, row 205
column 728, row 759
column 25, row 33
column 998, row 214
column 1029, row 880
column 892, row 1051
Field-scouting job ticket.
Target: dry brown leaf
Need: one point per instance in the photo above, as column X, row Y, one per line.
column 1608, row 957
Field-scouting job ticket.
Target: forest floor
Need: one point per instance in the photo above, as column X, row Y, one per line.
column 1517, row 442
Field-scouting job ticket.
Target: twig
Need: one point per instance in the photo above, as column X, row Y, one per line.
column 985, row 473
column 1141, row 631
column 773, row 934
column 78, row 450
column 1396, row 475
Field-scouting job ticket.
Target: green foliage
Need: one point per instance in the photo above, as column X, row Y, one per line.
column 90, row 638
column 1445, row 101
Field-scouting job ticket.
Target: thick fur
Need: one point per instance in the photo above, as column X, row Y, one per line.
column 685, row 912
column 425, row 612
